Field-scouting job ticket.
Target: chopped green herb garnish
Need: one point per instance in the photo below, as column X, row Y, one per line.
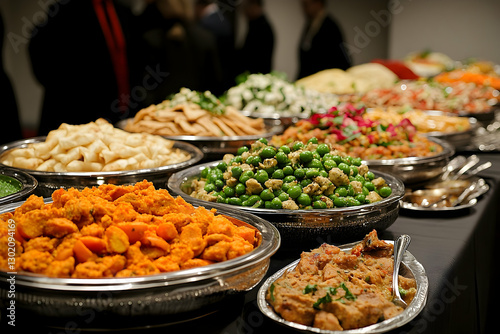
column 326, row 299
column 332, row 291
column 310, row 288
column 271, row 292
column 348, row 294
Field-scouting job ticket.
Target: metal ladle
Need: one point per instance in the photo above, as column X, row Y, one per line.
column 400, row 246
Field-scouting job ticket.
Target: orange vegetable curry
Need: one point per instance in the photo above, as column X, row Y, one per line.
column 119, row 231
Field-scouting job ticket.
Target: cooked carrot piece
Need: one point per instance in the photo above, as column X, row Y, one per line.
column 166, row 231
column 82, row 253
column 96, row 245
column 116, row 240
column 134, row 230
column 151, row 239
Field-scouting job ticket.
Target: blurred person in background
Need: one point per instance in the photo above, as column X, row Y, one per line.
column 211, row 17
column 84, row 58
column 183, row 50
column 10, row 114
column 257, row 52
column 321, row 44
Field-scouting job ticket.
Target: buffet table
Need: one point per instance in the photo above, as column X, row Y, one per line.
column 456, row 248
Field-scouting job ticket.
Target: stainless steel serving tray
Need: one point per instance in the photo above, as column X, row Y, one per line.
column 457, row 139
column 50, row 181
column 309, row 226
column 415, row 169
column 410, row 267
column 28, row 184
column 286, row 118
column 139, row 301
column 469, row 202
column 215, row 147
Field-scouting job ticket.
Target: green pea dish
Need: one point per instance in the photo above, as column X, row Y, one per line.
column 294, row 177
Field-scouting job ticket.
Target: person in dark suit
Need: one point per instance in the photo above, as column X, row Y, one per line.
column 321, row 43
column 257, row 52
column 187, row 52
column 10, row 114
column 83, row 57
column 211, row 17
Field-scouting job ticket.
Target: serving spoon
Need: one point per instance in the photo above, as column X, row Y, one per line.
column 454, row 164
column 400, row 246
column 471, row 162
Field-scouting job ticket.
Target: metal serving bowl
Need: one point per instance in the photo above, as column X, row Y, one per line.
column 309, row 226
column 415, row 169
column 25, row 182
column 286, row 118
column 215, row 147
column 50, row 181
column 483, row 117
column 126, row 302
column 457, row 139
column 409, row 268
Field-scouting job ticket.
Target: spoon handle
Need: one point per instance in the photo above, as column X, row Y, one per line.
column 478, row 169
column 400, row 246
column 471, row 161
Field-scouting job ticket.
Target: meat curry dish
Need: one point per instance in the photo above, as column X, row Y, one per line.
column 335, row 290
column 118, row 231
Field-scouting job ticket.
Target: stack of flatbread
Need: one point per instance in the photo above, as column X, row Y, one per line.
column 357, row 79
column 188, row 119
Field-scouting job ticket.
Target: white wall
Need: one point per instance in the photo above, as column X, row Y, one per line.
column 458, row 28
column 352, row 17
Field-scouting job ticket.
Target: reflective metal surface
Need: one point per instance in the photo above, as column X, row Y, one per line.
column 50, row 181
column 215, row 147
column 414, row 169
column 410, row 268
column 306, row 226
column 148, row 299
column 445, row 195
column 26, row 183
column 457, row 139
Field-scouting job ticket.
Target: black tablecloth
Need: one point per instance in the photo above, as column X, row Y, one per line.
column 456, row 249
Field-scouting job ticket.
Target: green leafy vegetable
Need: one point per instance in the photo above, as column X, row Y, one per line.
column 348, row 294
column 310, row 288
column 271, row 292
column 326, row 299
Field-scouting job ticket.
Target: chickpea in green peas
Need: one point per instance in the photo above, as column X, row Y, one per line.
column 292, row 172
